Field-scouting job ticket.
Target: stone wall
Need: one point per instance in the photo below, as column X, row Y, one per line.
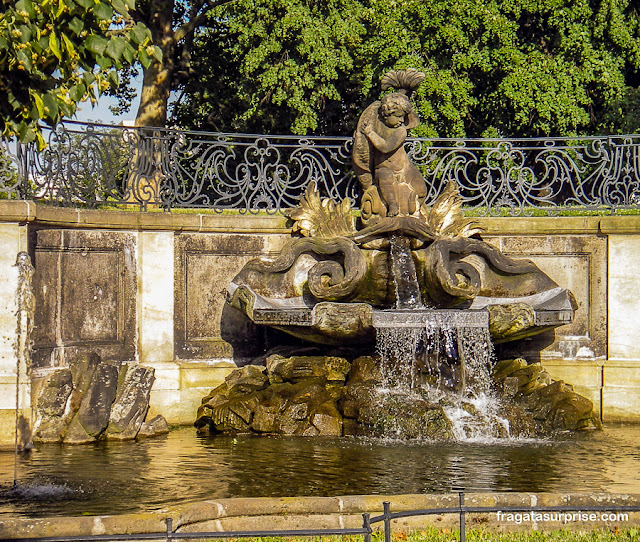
column 13, row 378
column 85, row 285
column 149, row 287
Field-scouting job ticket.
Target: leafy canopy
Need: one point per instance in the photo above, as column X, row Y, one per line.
column 493, row 67
column 272, row 65
column 57, row 53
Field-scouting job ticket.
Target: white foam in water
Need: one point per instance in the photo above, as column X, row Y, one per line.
column 483, row 424
column 39, row 491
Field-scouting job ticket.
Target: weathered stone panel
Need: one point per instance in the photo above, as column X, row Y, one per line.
column 85, row 288
column 204, row 267
column 578, row 263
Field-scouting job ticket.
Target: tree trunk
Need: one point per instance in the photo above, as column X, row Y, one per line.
column 144, row 183
column 157, row 77
column 156, row 86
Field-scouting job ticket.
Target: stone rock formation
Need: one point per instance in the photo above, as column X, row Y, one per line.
column 131, row 402
column 328, row 395
column 155, row 426
column 553, row 405
column 94, row 399
column 290, row 396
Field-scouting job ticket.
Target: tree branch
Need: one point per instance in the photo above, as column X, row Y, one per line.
column 198, row 19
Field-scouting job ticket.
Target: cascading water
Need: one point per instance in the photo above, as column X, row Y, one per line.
column 475, row 410
column 442, row 356
column 25, row 301
column 397, row 348
column 403, row 272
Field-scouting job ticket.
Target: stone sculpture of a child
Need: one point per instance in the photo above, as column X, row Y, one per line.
column 379, row 157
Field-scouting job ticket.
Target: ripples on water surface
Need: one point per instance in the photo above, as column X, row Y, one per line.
column 183, row 467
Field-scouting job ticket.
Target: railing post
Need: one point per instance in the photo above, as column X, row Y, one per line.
column 463, row 535
column 169, row 522
column 386, row 505
column 366, row 524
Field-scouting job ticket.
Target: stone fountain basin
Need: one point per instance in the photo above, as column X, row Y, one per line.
column 342, row 324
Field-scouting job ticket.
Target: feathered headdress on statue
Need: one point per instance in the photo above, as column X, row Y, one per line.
column 404, row 81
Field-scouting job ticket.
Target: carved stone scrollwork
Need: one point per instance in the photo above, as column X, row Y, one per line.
column 339, row 267
column 458, row 270
column 450, row 282
column 329, row 279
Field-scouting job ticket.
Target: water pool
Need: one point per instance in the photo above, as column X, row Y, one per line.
column 181, row 467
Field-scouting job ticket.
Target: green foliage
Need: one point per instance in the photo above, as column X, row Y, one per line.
column 493, row 67
column 56, row 53
column 274, row 65
column 8, row 172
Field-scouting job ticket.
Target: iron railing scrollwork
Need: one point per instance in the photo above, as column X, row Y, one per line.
column 91, row 165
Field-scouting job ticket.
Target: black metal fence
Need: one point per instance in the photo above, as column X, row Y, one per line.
column 366, row 530
column 91, row 165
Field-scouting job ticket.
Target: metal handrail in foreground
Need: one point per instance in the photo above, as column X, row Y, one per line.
column 169, row 534
column 88, row 165
column 366, row 530
column 462, row 510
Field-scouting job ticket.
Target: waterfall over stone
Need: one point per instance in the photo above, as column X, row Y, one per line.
column 445, row 357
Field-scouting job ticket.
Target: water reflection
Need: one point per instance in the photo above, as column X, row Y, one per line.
column 183, row 467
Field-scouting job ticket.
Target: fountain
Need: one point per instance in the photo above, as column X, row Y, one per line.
column 395, row 313
column 421, row 283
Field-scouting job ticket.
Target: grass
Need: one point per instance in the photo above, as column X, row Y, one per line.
column 471, row 213
column 185, row 211
column 445, row 535
column 538, row 212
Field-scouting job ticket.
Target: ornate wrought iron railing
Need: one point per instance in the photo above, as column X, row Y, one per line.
column 91, row 165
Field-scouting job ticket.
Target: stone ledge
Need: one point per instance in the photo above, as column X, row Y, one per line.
column 620, row 224
column 622, row 363
column 545, row 225
column 311, row 512
column 46, row 215
column 17, row 211
column 30, row 211
column 574, row 362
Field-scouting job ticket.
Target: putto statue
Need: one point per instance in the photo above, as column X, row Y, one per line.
column 392, row 184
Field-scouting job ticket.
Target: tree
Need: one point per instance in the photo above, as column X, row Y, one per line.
column 173, row 24
column 524, row 68
column 278, row 66
column 55, row 54
column 495, row 67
